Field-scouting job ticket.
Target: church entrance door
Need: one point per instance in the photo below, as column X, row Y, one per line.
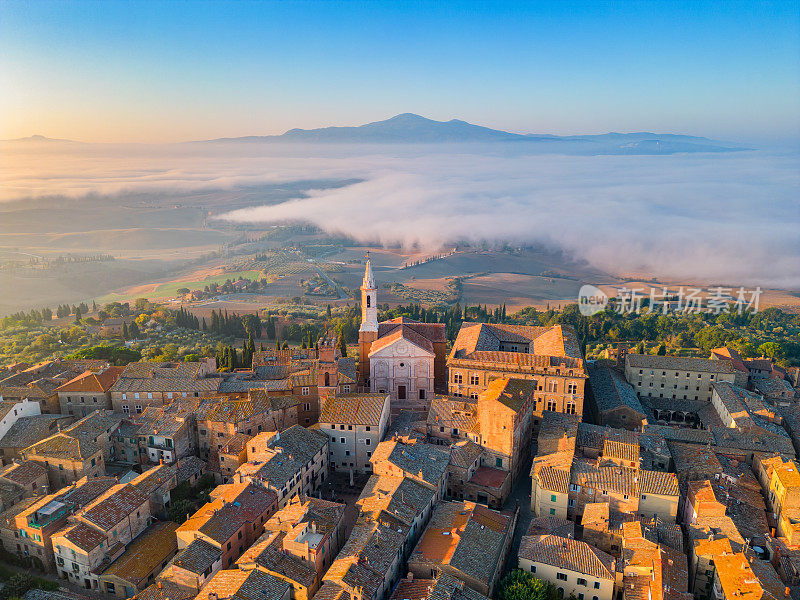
column 401, row 392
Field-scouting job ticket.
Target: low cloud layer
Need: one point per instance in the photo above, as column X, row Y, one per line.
column 730, row 218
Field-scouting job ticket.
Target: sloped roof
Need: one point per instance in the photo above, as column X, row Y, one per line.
column 112, row 507
column 405, row 333
column 611, row 391
column 678, row 363
column 354, row 409
column 557, row 340
column 61, row 445
column 146, row 553
column 569, row 554
column 93, row 382
column 512, row 393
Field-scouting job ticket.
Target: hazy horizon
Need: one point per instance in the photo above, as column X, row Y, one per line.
column 168, row 72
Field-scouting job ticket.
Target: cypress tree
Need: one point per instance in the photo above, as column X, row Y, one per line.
column 125, row 333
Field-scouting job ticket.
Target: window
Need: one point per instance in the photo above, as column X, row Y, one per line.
column 596, row 586
column 572, row 388
column 343, row 440
column 582, row 581
column 138, row 409
column 533, row 568
column 304, row 391
column 551, row 405
column 552, row 511
column 368, row 441
column 422, row 394
column 570, row 408
column 552, row 497
column 498, row 462
column 126, row 409
column 474, row 379
column 307, row 406
column 561, row 576
column 457, row 378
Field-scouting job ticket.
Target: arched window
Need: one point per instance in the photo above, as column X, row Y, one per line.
column 327, row 379
column 369, row 300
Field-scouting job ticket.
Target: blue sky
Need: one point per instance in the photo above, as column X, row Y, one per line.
column 153, row 71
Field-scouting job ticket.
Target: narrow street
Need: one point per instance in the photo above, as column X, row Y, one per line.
column 521, row 492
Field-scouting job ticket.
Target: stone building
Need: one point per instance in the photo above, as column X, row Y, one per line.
column 549, row 355
column 399, row 357
column 675, row 377
column 355, row 424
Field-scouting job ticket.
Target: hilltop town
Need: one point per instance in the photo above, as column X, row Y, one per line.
column 436, row 458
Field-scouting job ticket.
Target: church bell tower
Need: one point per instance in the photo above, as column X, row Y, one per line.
column 368, row 332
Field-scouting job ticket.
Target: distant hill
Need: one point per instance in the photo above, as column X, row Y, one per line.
column 41, row 139
column 409, row 128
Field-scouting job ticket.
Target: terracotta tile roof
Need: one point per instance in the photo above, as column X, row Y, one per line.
column 611, row 391
column 512, row 393
column 567, row 553
column 197, row 557
column 425, row 461
column 84, row 537
column 93, row 381
column 24, row 473
column 113, row 506
column 465, row 453
column 165, row 590
column 146, row 553
column 450, row 412
column 29, row 430
column 244, row 585
column 230, row 507
column 402, row 332
column 95, row 424
column 63, row 446
column 402, row 498
column 624, row 451
column 435, row 332
column 677, row 363
column 236, row 444
column 159, row 477
column 737, row 578
column 725, row 353
column 267, row 553
column 233, row 410
column 553, row 525
column 489, row 477
column 694, row 459
column 444, row 587
column 189, row 467
column 354, row 409
column 293, row 449
column 366, row 558
column 164, row 377
column 467, row 536
column 557, row 341
column 659, row 483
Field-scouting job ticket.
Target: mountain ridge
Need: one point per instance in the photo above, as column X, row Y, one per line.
column 411, row 128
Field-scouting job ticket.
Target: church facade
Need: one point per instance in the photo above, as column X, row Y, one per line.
column 403, row 358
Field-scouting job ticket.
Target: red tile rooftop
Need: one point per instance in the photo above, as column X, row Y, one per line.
column 489, row 477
